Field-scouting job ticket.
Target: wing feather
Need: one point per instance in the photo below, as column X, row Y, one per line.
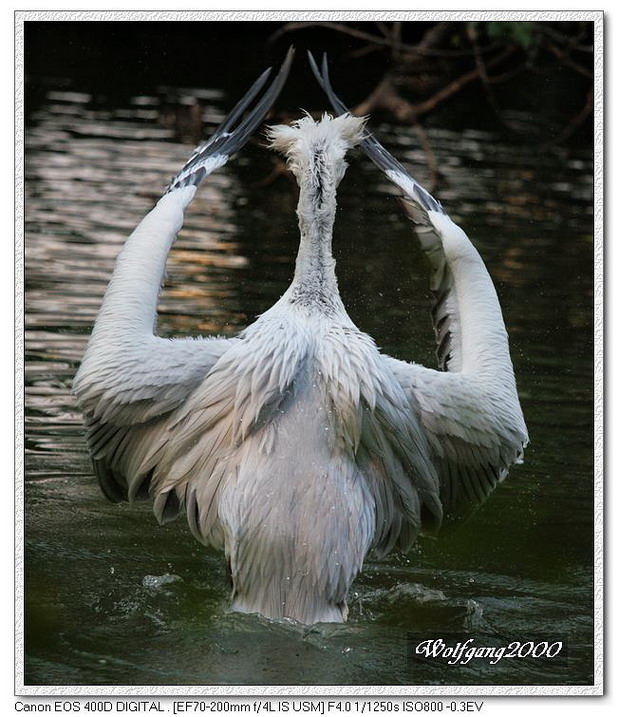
column 474, row 434
column 126, row 437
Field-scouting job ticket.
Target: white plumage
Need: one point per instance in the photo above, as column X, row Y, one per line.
column 297, row 447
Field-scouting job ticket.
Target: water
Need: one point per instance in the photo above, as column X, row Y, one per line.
column 111, row 598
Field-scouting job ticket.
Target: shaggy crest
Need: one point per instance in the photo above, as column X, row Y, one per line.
column 305, row 137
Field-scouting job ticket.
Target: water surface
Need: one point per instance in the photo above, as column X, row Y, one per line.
column 111, row 598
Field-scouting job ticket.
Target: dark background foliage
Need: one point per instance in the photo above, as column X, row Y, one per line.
column 530, row 80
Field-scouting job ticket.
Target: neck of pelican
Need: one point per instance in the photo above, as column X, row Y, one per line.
column 314, row 281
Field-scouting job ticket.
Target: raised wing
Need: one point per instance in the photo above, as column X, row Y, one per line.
column 229, row 138
column 131, row 381
column 470, row 409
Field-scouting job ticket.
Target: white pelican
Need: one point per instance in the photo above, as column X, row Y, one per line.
column 297, row 447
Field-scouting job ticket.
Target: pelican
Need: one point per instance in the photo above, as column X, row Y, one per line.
column 297, row 447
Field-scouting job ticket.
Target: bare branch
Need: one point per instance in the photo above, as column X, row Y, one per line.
column 572, row 42
column 565, row 57
column 456, row 85
column 577, row 121
column 426, row 49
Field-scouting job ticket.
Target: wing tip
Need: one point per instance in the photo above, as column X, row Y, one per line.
column 234, row 131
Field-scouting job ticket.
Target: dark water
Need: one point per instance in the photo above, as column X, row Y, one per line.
column 111, row 598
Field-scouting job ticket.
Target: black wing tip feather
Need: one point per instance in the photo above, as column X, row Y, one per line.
column 234, row 131
column 113, row 489
column 373, row 149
